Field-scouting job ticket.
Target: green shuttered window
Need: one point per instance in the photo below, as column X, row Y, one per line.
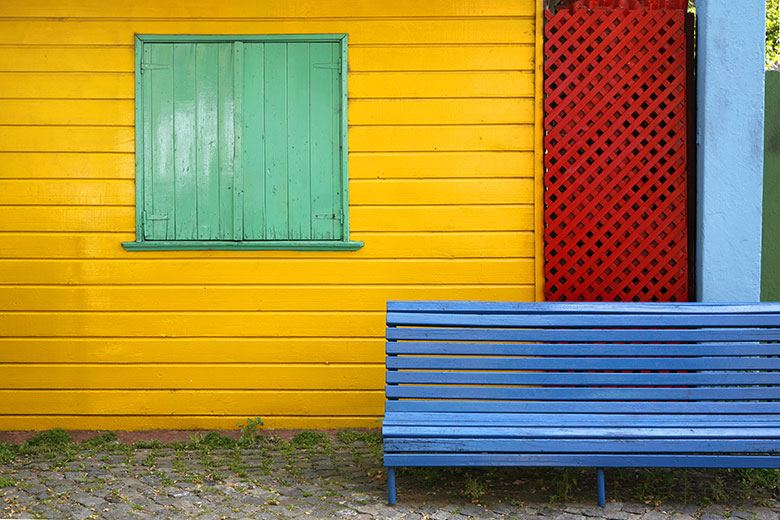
column 241, row 143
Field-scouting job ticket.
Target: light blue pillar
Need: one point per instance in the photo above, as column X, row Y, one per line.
column 730, row 149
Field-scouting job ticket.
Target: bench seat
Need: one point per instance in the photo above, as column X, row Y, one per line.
column 582, row 385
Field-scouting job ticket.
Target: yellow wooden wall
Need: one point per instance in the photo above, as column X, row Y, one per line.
column 444, row 159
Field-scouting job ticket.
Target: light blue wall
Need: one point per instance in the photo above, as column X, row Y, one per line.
column 730, row 149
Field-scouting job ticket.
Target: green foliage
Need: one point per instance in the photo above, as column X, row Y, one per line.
column 249, row 432
column 7, row 482
column 211, row 441
column 50, row 439
column 772, row 33
column 99, row 441
column 474, row 487
column 563, row 485
column 7, row 452
column 310, row 439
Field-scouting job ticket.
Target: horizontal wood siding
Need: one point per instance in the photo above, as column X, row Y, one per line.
column 442, row 154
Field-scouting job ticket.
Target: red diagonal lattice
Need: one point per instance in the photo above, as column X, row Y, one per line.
column 616, row 151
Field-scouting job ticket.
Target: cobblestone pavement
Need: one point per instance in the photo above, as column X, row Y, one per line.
column 342, row 477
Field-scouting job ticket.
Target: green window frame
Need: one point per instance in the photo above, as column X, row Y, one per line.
column 241, row 143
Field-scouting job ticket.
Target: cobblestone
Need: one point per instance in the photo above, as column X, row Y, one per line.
column 342, row 481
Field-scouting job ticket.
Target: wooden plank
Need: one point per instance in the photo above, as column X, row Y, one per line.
column 585, row 432
column 583, row 407
column 159, row 141
column 429, row 57
column 51, row 58
column 580, row 349
column 85, row 85
column 191, row 377
column 456, row 217
column 574, row 335
column 378, row 245
column 325, row 137
column 182, row 422
column 247, row 403
column 297, row 271
column 67, row 165
column 582, row 320
column 437, row 191
column 581, row 419
column 67, row 192
column 561, row 308
column 97, row 112
column 584, row 394
column 370, row 85
column 254, row 141
column 276, row 207
column 226, row 139
column 419, row 165
column 586, row 460
column 207, row 153
column 185, row 131
column 361, row 31
column 222, row 298
column 577, row 379
column 191, row 324
column 299, row 107
column 472, row 111
column 478, row 445
column 195, row 350
column 583, row 363
column 66, row 139
column 398, row 138
column 270, row 9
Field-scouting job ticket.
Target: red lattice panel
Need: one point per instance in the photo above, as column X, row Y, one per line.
column 616, row 154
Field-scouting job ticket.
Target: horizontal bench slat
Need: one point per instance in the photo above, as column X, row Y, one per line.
column 617, row 420
column 581, row 335
column 581, row 320
column 535, row 363
column 581, row 394
column 584, row 432
column 477, row 445
column 583, row 407
column 633, row 460
column 582, row 349
column 583, row 379
column 582, row 307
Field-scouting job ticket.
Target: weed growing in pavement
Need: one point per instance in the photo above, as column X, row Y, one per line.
column 474, row 487
column 250, row 432
column 563, row 485
column 7, row 482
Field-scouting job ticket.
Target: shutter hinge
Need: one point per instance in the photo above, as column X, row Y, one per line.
column 152, row 66
column 332, row 216
column 336, row 65
column 155, row 217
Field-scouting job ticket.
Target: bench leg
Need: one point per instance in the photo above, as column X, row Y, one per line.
column 600, row 491
column 391, row 486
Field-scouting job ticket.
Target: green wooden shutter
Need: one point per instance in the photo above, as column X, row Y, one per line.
column 291, row 141
column 242, row 141
column 189, row 140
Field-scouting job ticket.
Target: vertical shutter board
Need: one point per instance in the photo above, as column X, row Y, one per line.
column 225, row 111
column 147, row 140
column 184, row 136
column 159, row 220
column 253, row 141
column 298, row 160
column 238, row 150
column 276, row 141
column 336, row 180
column 207, row 153
column 324, row 140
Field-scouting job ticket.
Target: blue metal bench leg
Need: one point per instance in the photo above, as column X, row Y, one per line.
column 600, row 487
column 391, row 486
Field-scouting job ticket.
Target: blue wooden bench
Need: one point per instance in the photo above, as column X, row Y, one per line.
column 582, row 385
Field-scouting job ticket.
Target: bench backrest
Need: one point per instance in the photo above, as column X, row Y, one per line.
column 463, row 357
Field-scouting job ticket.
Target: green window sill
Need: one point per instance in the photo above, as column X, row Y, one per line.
column 257, row 245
